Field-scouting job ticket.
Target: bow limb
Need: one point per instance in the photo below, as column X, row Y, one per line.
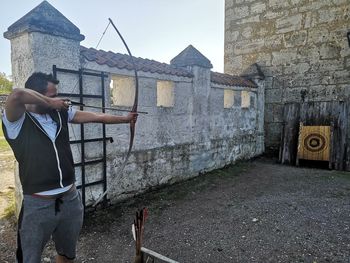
column 133, row 110
column 134, row 107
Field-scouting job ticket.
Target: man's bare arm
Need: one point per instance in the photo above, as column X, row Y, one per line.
column 86, row 117
column 16, row 101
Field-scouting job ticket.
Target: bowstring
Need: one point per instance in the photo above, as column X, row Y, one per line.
column 103, row 34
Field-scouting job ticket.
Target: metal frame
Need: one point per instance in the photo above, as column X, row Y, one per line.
column 82, row 140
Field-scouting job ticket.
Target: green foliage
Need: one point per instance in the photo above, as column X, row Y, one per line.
column 5, row 84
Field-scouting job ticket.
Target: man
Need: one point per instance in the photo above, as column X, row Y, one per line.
column 35, row 124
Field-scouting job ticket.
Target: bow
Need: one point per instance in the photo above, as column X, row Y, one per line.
column 133, row 110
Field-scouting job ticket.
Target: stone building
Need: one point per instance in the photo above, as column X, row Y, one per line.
column 300, row 46
column 197, row 120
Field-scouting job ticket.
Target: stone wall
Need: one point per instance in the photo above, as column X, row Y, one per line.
column 172, row 144
column 300, row 45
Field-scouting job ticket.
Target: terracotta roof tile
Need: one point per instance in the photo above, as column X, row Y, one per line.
column 122, row 61
column 226, row 79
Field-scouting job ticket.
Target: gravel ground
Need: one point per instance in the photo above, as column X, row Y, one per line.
column 256, row 211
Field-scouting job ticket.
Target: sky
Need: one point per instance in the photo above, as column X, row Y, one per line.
column 153, row 29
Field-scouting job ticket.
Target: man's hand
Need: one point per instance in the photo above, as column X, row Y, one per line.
column 131, row 117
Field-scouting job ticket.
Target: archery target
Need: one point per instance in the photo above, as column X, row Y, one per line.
column 314, row 143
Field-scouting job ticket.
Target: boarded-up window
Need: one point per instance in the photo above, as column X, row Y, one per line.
column 245, row 99
column 122, row 90
column 228, row 98
column 165, row 93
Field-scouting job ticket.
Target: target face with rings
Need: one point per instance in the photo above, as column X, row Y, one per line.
column 314, row 143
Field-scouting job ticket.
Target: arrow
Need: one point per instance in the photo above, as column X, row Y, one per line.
column 75, row 103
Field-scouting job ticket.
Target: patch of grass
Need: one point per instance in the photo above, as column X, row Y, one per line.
column 345, row 175
column 4, row 146
column 1, row 131
column 5, row 91
column 10, row 210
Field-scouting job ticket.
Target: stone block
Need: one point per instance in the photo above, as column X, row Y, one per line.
column 341, row 77
column 231, row 36
column 295, row 94
column 274, row 42
column 288, row 24
column 315, row 5
column 258, row 8
column 274, row 4
column 328, row 65
column 252, row 19
column 329, row 50
column 309, row 53
column 272, row 71
column 322, row 92
column 283, row 56
column 273, row 14
column 294, row 39
column 245, row 47
column 233, row 63
column 347, row 63
column 299, row 68
column 229, row 4
column 330, row 15
column 318, row 35
column 247, row 32
column 310, row 20
column 240, row 12
column 343, row 91
column 273, row 95
column 263, row 59
column 298, row 2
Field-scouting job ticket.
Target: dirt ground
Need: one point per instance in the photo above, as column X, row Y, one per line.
column 256, row 211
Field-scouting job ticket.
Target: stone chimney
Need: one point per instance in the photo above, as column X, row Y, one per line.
column 40, row 39
column 191, row 59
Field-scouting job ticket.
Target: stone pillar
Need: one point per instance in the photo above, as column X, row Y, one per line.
column 200, row 113
column 194, row 61
column 40, row 39
column 254, row 73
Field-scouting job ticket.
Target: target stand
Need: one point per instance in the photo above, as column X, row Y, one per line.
column 314, row 143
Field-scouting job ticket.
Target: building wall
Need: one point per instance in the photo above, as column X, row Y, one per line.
column 172, row 144
column 300, row 45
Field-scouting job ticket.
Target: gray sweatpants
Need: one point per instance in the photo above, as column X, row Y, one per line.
column 43, row 218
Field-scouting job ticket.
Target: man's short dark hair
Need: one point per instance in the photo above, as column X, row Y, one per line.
column 38, row 81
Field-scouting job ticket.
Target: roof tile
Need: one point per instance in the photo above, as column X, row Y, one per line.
column 229, row 80
column 123, row 61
